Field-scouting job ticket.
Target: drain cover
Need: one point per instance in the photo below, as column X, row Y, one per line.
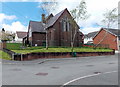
column 42, row 74
column 55, row 67
column 89, row 65
column 15, row 69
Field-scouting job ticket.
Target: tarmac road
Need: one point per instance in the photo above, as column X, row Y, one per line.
column 99, row 70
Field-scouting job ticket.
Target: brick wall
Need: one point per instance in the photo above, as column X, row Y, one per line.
column 38, row 38
column 110, row 39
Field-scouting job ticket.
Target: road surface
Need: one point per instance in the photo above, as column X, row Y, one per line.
column 99, row 70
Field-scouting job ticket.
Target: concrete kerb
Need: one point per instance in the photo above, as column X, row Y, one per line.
column 35, row 61
column 41, row 61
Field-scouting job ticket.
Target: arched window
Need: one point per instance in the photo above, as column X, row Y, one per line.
column 65, row 25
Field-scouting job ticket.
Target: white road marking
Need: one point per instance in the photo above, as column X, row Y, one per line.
column 86, row 77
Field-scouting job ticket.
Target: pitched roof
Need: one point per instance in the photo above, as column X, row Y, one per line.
column 48, row 17
column 114, row 31
column 37, row 26
column 91, row 34
column 52, row 20
column 21, row 34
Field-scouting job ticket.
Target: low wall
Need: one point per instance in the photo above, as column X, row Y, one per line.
column 31, row 56
column 12, row 54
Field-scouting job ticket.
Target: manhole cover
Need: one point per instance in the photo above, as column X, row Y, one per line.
column 111, row 63
column 97, row 72
column 41, row 74
column 15, row 69
column 55, row 67
column 89, row 65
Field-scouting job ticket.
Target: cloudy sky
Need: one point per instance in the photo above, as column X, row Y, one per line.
column 16, row 14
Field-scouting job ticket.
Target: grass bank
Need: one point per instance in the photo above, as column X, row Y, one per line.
column 4, row 55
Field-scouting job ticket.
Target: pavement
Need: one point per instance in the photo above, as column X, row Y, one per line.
column 61, row 71
column 40, row 61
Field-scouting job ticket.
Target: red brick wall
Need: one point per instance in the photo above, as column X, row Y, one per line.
column 110, row 39
column 38, row 38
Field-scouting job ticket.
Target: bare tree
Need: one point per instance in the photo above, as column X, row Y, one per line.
column 48, row 7
column 110, row 17
column 78, row 13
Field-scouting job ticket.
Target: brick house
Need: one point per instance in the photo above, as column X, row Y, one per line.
column 111, row 38
column 59, row 31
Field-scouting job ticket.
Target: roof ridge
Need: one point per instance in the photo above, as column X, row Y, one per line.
column 52, row 20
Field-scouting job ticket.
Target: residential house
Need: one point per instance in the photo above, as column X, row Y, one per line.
column 60, row 31
column 110, row 37
column 19, row 36
column 88, row 38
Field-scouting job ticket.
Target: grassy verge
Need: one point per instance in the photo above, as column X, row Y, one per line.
column 4, row 55
column 62, row 50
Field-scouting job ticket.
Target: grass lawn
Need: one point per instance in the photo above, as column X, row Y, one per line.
column 4, row 55
column 16, row 47
column 62, row 50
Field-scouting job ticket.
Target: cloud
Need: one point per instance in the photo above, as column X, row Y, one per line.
column 90, row 29
column 15, row 26
column 6, row 17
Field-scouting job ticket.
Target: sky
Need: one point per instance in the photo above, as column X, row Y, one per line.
column 16, row 14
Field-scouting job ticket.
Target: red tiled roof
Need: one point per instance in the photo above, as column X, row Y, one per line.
column 21, row 34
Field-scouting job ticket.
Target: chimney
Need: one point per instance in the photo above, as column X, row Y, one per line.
column 43, row 18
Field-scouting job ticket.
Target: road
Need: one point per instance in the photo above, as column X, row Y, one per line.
column 99, row 70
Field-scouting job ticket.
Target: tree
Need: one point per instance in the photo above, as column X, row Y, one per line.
column 78, row 13
column 47, row 8
column 6, row 35
column 110, row 17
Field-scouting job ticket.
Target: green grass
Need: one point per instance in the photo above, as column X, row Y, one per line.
column 62, row 50
column 4, row 55
column 14, row 46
